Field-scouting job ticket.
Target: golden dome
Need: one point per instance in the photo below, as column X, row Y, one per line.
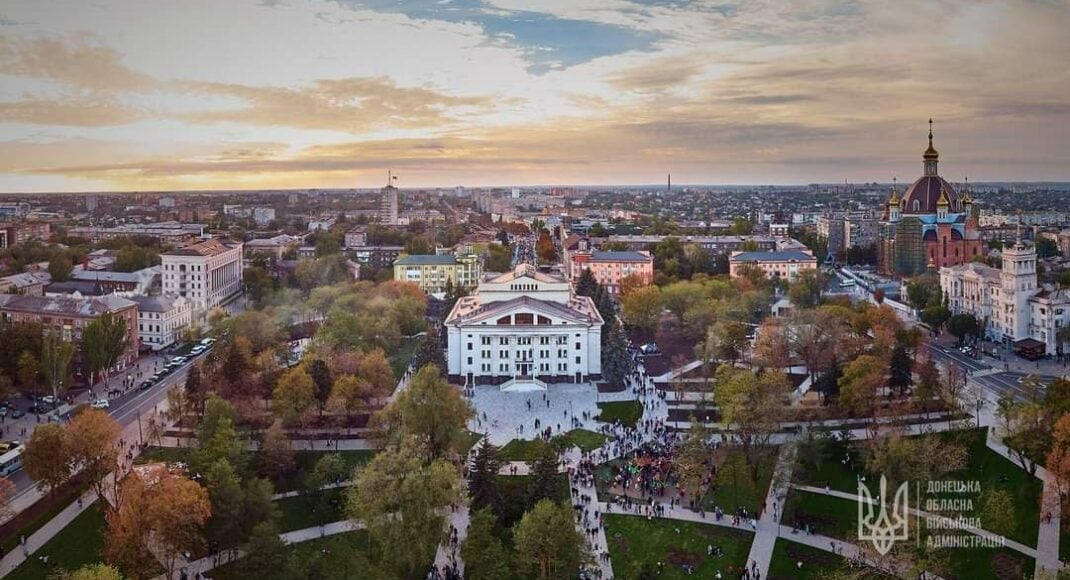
column 931, row 152
column 943, row 201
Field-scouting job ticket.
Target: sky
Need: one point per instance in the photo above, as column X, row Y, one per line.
column 133, row 95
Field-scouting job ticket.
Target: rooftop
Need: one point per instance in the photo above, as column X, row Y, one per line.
column 205, row 248
column 63, row 305
column 425, row 260
column 618, row 256
column 773, row 256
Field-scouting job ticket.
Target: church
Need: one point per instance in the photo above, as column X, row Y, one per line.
column 930, row 226
column 521, row 330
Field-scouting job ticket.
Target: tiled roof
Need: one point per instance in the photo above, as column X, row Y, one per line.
column 64, row 305
column 205, row 248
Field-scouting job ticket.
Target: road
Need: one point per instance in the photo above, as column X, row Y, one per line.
column 126, row 410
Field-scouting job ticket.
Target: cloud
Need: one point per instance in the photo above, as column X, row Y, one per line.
column 75, row 61
column 81, row 111
column 354, row 105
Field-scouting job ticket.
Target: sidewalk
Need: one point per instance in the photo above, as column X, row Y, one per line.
column 38, row 539
column 761, row 549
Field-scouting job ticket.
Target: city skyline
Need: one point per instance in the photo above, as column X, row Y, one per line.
column 317, row 94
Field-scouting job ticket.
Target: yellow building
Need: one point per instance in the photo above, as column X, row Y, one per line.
column 431, row 273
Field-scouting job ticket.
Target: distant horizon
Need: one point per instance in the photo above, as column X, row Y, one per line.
column 150, row 95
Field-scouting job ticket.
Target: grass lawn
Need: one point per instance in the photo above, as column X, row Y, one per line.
column 304, row 511
column 471, row 438
column 332, row 558
column 826, row 515
column 520, row 450
column 984, row 564
column 627, row 412
column 735, row 487
column 636, row 543
column 985, row 466
column 582, row 438
column 78, row 544
column 65, row 496
column 816, row 564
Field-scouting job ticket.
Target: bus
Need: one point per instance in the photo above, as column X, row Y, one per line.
column 11, row 460
column 847, row 283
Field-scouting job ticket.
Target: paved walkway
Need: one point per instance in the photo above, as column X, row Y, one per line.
column 448, row 553
column 297, row 444
column 38, row 539
column 761, row 549
column 206, row 564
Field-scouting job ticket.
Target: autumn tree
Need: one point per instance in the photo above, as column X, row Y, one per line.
column 47, row 457
column 376, row 371
column 814, row 335
column 900, row 458
column 754, row 405
column 1058, row 460
column 693, row 460
column 294, row 395
column 642, row 307
column 29, row 371
column 349, row 394
column 92, row 437
column 322, row 379
column 725, row 340
column 771, row 348
column 162, row 518
column 7, row 492
column 276, row 455
column 547, row 543
column 402, row 501
column 805, row 291
column 861, row 385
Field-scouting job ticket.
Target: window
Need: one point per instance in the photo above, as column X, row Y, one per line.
column 578, row 347
column 469, row 360
column 469, row 346
column 577, row 360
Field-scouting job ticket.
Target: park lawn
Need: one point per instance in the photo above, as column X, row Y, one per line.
column 627, row 412
column 985, row 564
column 304, row 461
column 990, row 469
column 67, row 495
column 826, row 515
column 816, row 564
column 582, row 438
column 470, row 440
column 636, row 543
column 735, row 487
column 520, row 450
column 304, row 511
column 78, row 544
column 338, row 553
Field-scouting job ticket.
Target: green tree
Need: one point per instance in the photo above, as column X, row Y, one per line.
column 544, row 477
column 430, row 352
column 276, row 457
column 755, row 406
column 617, row 362
column 294, row 395
column 29, row 371
column 548, row 544
column 860, row 385
column 60, row 267
column 642, row 307
column 104, row 341
column 485, row 558
column 56, row 355
column 321, row 378
column 998, row 511
column 96, row 571
column 429, row 412
column 483, row 479
column 680, row 296
column 223, row 531
column 265, row 553
column 963, row 325
column 805, row 291
column 900, row 369
column 402, row 502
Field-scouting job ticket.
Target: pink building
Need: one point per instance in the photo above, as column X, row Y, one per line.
column 610, row 267
column 782, row 264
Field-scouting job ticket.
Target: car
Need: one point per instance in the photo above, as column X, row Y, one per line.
column 649, row 348
column 48, row 400
column 208, row 341
column 146, row 384
column 198, row 350
column 3, row 411
column 18, row 413
column 100, row 404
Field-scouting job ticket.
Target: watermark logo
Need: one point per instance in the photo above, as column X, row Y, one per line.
column 881, row 528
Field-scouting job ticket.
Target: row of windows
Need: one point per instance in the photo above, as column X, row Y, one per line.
column 545, row 367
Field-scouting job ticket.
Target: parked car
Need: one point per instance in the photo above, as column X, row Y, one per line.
column 48, row 400
column 649, row 348
column 100, row 404
column 198, row 350
column 17, row 413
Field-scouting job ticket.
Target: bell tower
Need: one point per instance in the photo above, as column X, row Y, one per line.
column 1018, row 282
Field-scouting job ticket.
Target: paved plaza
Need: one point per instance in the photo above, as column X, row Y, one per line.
column 504, row 416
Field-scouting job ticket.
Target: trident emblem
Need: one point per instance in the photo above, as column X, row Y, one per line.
column 884, row 530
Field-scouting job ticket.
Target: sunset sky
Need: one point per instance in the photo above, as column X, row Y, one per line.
column 229, row 94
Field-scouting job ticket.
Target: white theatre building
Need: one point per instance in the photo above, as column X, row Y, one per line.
column 206, row 273
column 522, row 330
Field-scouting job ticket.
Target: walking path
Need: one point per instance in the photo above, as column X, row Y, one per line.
column 449, row 552
column 207, row 563
column 297, row 444
column 38, row 539
column 761, row 549
column 584, row 495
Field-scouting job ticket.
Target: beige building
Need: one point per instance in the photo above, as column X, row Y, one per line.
column 782, row 265
column 206, row 273
column 431, row 273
